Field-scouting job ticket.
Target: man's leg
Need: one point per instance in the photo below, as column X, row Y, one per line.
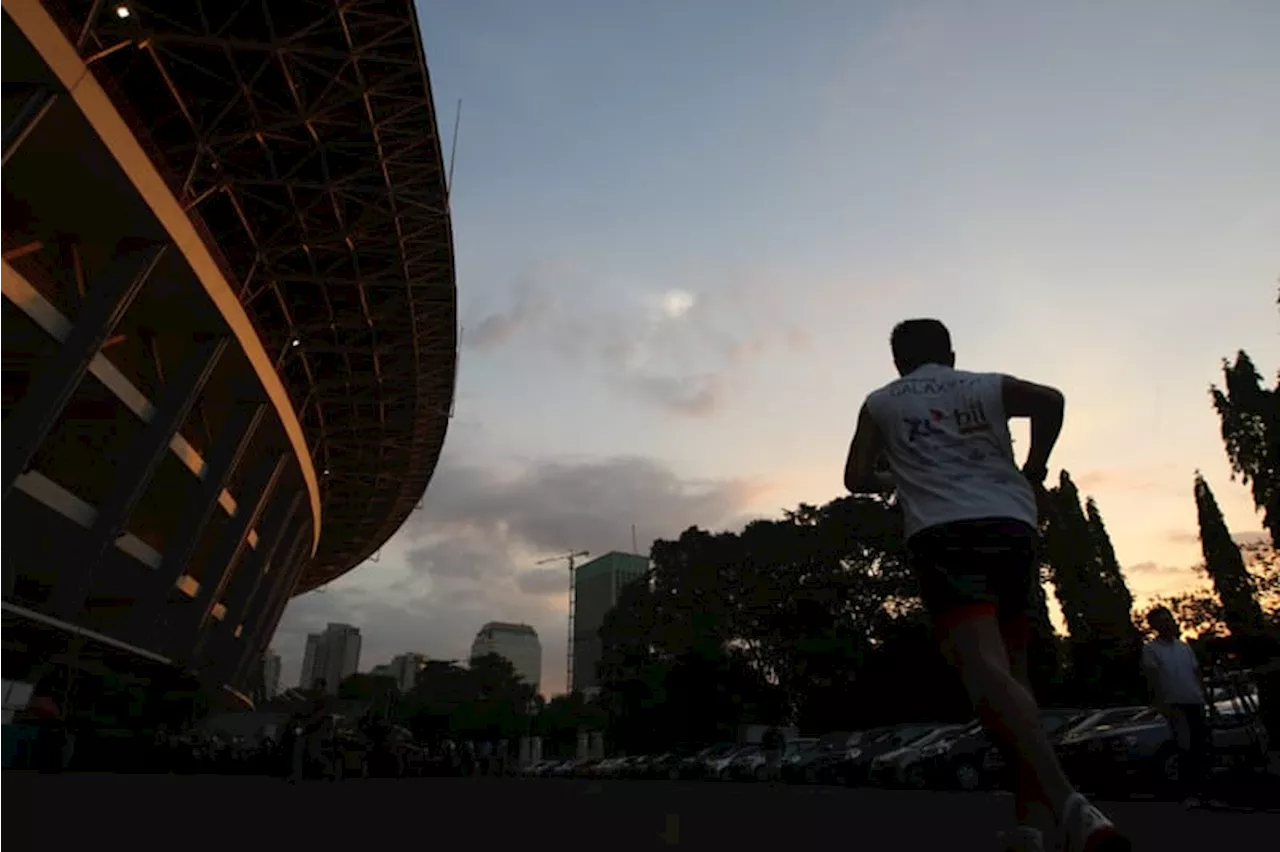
column 297, row 763
column 1030, row 803
column 973, row 645
column 1202, row 746
column 1191, row 731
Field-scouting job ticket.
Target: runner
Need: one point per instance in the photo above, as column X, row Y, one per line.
column 970, row 519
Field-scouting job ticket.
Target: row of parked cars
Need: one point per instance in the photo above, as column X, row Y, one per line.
column 1116, row 749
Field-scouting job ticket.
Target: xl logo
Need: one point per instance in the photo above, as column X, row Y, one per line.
column 972, row 418
column 925, row 427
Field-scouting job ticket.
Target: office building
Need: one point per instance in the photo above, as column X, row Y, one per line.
column 331, row 656
column 596, row 588
column 517, row 643
column 403, row 669
column 270, row 674
column 230, row 323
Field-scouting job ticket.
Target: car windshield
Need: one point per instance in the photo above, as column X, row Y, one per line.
column 1053, row 723
column 801, row 746
column 909, row 736
column 835, row 739
column 1113, row 716
column 931, row 737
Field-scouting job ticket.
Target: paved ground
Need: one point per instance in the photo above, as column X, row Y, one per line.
column 184, row 813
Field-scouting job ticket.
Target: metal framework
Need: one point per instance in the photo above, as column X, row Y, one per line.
column 301, row 137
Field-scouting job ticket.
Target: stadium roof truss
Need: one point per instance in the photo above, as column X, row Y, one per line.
column 301, row 137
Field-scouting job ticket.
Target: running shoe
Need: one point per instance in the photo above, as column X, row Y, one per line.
column 1087, row 829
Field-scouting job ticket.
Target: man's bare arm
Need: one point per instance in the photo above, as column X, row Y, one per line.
column 860, row 474
column 1045, row 406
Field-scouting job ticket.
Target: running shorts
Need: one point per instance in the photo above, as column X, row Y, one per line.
column 976, row 566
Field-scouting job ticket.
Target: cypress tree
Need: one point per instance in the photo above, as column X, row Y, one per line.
column 1250, row 418
column 1225, row 565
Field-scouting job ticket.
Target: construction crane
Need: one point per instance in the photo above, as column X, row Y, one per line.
column 572, row 559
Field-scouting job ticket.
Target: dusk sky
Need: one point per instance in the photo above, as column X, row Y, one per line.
column 684, row 231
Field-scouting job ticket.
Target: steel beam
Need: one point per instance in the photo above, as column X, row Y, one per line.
column 135, row 471
column 277, row 529
column 291, row 570
column 34, row 108
column 248, row 580
column 222, row 561
column 228, row 450
column 52, row 387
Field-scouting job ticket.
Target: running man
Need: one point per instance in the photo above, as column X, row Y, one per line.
column 970, row 520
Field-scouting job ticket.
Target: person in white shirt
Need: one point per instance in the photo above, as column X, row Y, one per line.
column 970, row 518
column 1173, row 676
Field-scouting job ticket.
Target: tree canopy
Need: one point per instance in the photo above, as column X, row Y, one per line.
column 814, row 619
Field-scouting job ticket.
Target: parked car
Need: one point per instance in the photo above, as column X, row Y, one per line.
column 696, row 765
column 1141, row 752
column 718, row 768
column 746, row 761
column 1055, row 721
column 751, row 763
column 665, row 766
column 901, row 766
column 807, row 765
column 854, row 767
column 957, row 762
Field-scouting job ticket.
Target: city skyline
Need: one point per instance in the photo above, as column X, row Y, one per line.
column 677, row 278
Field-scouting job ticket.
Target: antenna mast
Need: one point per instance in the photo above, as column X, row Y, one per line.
column 571, row 559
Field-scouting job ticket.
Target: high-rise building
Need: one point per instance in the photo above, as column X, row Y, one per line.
column 270, row 674
column 596, row 588
column 518, row 643
column 330, row 656
column 403, row 669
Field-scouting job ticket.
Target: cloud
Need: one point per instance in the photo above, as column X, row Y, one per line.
column 677, row 303
column 697, row 396
column 494, row 329
column 543, row 581
column 1243, row 538
column 471, row 555
column 680, row 348
column 1150, row 479
column 1154, row 569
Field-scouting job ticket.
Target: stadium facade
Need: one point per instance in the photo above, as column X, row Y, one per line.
column 229, row 319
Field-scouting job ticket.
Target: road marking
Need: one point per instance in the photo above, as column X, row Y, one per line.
column 671, row 835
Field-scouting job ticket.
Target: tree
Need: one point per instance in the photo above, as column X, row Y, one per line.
column 1199, row 610
column 1096, row 603
column 1250, row 418
column 1108, row 567
column 487, row 700
column 808, row 619
column 1070, row 553
column 1225, row 565
column 370, row 688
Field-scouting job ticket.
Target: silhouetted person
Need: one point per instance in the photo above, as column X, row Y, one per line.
column 49, row 748
column 970, row 519
column 772, row 743
column 1173, row 676
column 308, row 735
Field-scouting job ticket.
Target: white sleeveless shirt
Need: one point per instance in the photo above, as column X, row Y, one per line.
column 947, row 439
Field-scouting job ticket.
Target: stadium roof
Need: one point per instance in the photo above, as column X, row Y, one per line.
column 302, row 138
